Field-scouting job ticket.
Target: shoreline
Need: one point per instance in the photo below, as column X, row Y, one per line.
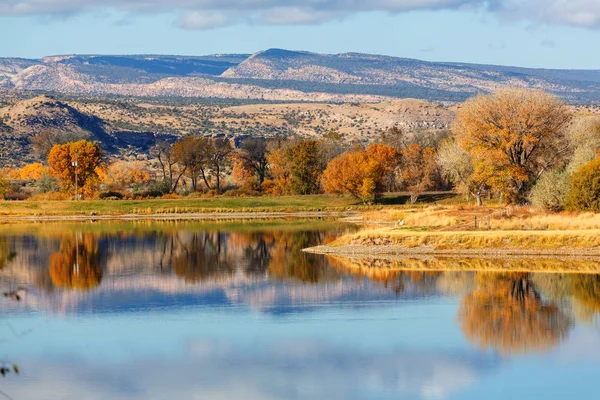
column 196, row 216
column 399, row 252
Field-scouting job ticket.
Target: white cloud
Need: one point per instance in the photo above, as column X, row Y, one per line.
column 207, row 14
column 204, row 20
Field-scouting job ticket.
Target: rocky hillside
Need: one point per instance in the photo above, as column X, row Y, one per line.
column 127, row 128
column 26, row 119
column 284, row 75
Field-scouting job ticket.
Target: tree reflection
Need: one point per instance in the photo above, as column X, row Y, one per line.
column 202, row 257
column 75, row 265
column 6, row 252
column 506, row 313
column 288, row 261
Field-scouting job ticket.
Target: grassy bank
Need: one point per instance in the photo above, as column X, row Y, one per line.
column 179, row 206
column 469, row 240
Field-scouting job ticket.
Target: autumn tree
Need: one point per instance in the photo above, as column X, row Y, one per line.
column 516, row 135
column 4, row 185
column 252, row 156
column 457, row 165
column 306, row 167
column 279, row 169
column 419, row 170
column 585, row 188
column 362, row 173
column 125, row 174
column 32, row 172
column 88, row 157
column 191, row 154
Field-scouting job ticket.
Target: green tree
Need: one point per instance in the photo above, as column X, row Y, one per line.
column 306, row 166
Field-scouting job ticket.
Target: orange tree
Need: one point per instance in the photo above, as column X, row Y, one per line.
column 360, row 173
column 88, row 156
column 419, row 170
column 513, row 135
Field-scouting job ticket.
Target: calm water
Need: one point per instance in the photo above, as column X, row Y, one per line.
column 236, row 311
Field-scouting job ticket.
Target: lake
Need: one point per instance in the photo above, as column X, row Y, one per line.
column 235, row 310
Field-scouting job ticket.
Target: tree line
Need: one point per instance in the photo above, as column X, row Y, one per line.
column 515, row 145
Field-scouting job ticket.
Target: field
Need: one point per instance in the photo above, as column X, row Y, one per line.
column 178, row 206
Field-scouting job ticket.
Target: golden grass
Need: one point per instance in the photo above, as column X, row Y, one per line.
column 458, row 240
column 462, row 217
column 385, row 269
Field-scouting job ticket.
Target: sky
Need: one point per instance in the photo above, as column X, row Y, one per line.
column 529, row 33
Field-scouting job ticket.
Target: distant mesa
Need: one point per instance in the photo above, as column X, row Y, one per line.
column 284, row 75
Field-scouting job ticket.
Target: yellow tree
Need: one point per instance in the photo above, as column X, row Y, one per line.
column 123, row 174
column 514, row 134
column 280, row 172
column 88, row 157
column 32, row 172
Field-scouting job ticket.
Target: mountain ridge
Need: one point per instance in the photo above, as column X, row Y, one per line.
column 285, row 75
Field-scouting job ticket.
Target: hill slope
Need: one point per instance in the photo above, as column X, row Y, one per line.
column 286, row 76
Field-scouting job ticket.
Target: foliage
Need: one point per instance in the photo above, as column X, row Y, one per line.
column 457, row 165
column 551, row 191
column 360, row 173
column 252, row 157
column 306, row 167
column 585, row 188
column 513, row 135
column 88, row 157
column 4, row 185
column 419, row 170
column 280, row 171
column 47, row 184
column 32, row 172
column 43, row 142
column 123, row 174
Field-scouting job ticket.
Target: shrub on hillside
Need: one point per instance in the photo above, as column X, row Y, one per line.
column 585, row 188
column 551, row 191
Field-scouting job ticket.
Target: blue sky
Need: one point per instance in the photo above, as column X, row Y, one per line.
column 534, row 33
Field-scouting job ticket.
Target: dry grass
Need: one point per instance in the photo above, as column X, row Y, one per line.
column 460, row 240
column 462, row 217
column 385, row 269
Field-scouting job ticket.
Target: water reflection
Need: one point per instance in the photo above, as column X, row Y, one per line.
column 518, row 312
column 75, row 264
column 507, row 313
column 238, row 311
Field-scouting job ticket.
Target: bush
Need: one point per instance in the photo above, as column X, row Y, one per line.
column 17, row 196
column 171, row 196
column 585, row 188
column 551, row 191
column 47, row 184
column 52, row 196
column 111, row 195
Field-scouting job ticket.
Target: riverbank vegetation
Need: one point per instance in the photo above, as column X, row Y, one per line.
column 513, row 147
